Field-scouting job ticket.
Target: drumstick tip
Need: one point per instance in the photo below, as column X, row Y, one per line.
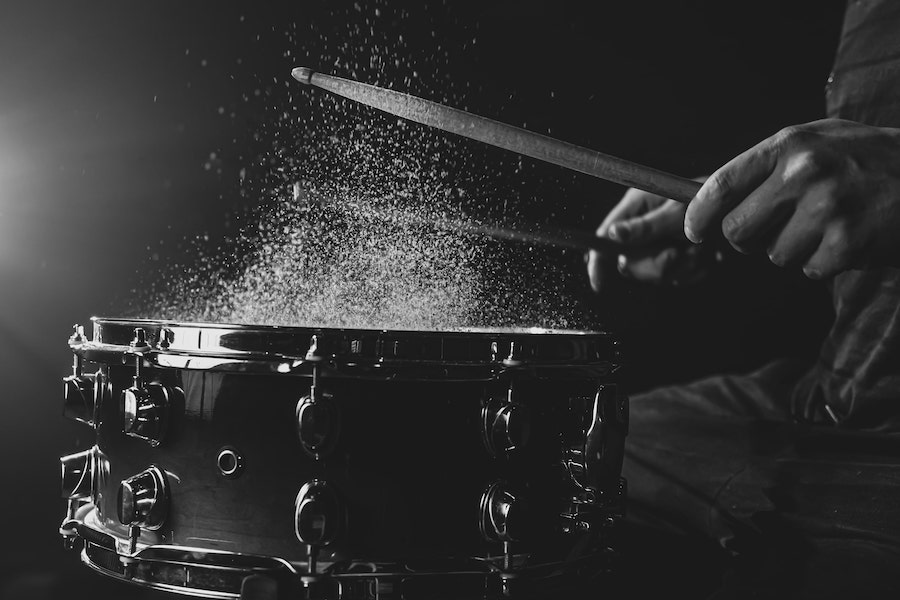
column 303, row 74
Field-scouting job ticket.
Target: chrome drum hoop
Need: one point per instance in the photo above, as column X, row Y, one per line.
column 204, row 573
column 467, row 354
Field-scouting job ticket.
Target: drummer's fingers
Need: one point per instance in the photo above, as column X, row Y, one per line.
column 633, row 203
column 651, row 268
column 600, row 268
column 664, row 223
column 756, row 220
column 836, row 252
column 597, row 269
column 729, row 185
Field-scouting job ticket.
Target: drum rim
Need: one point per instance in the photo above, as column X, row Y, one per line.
column 365, row 353
column 287, row 329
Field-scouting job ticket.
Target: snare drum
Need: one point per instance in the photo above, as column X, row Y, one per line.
column 339, row 463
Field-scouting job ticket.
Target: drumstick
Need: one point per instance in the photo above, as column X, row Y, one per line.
column 565, row 238
column 501, row 135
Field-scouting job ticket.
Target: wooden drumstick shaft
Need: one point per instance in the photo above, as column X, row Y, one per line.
column 502, row 135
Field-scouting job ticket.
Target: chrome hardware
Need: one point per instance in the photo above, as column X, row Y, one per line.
column 230, row 463
column 134, row 534
column 594, row 459
column 317, row 514
column 166, row 336
column 178, row 571
column 77, row 338
column 579, row 515
column 513, row 359
column 78, row 389
column 502, row 514
column 318, row 420
column 583, row 512
column 312, row 354
column 68, row 529
column 506, row 425
column 143, row 499
column 511, row 427
column 68, row 532
column 128, row 559
column 317, row 424
column 79, row 396
column 78, row 474
column 139, row 342
column 145, row 409
column 318, row 518
column 143, row 406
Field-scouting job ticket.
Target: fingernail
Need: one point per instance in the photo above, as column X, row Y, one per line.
column 812, row 273
column 689, row 234
column 621, row 263
column 613, row 232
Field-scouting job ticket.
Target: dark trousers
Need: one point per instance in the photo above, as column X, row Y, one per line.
column 729, row 497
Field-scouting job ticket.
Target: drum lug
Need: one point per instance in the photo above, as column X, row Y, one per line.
column 144, row 406
column 319, row 518
column 78, row 486
column 593, row 455
column 143, row 499
column 318, row 420
column 503, row 514
column 145, row 410
column 79, row 398
column 79, row 394
column 82, row 477
column 78, row 474
column 592, row 459
column 506, row 425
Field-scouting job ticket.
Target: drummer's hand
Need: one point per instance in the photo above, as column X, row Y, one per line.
column 654, row 249
column 824, row 196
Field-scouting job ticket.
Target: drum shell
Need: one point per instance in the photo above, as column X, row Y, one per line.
column 409, row 464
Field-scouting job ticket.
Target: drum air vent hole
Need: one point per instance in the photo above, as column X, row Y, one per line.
column 229, row 462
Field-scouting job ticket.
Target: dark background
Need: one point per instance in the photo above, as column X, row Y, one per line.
column 124, row 127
